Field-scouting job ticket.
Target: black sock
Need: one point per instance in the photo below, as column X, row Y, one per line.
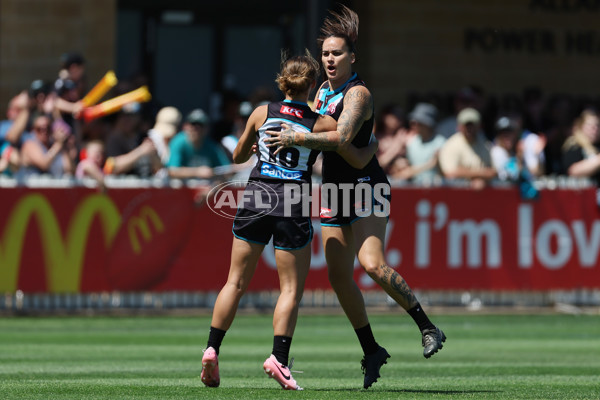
column 366, row 339
column 281, row 348
column 420, row 318
column 215, row 337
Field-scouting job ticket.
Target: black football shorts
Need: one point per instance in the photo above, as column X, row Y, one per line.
column 289, row 233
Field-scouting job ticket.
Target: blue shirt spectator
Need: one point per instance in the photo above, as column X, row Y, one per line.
column 185, row 154
column 192, row 147
column 193, row 154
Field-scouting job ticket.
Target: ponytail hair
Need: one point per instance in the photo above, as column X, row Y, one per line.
column 297, row 73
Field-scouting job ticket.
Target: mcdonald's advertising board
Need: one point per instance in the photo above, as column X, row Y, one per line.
column 78, row 240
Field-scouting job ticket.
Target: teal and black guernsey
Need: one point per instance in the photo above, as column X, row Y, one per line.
column 335, row 168
column 287, row 170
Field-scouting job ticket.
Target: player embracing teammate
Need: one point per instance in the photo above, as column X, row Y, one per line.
column 345, row 97
column 291, row 230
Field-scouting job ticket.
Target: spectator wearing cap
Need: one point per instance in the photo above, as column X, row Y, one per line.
column 70, row 87
column 422, row 151
column 504, row 155
column 466, row 154
column 193, row 154
column 25, row 108
column 66, row 101
column 40, row 98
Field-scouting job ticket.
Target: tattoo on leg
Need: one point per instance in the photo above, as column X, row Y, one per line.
column 398, row 284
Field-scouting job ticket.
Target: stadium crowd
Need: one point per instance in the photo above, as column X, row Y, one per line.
column 467, row 137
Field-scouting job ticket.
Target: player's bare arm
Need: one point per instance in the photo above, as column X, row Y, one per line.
column 358, row 107
column 243, row 150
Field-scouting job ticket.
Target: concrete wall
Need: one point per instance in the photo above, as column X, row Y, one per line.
column 34, row 34
column 404, row 46
column 501, row 45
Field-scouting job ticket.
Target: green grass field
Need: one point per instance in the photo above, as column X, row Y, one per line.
column 485, row 357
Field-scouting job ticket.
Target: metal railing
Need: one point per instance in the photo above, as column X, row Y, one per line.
column 20, row 302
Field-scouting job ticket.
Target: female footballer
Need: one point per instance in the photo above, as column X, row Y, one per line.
column 291, row 230
column 345, row 97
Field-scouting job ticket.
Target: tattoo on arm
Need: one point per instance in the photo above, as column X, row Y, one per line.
column 288, row 137
column 398, row 284
column 358, row 105
column 320, row 141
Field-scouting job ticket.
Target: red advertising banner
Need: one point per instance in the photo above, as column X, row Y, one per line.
column 77, row 240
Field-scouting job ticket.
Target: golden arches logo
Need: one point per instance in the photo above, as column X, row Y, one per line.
column 140, row 223
column 63, row 256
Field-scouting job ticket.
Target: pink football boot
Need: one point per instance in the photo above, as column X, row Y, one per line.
column 280, row 373
column 210, row 368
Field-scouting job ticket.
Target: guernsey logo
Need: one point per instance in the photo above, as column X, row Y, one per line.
column 295, row 112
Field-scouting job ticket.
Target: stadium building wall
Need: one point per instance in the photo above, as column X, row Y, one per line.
column 426, row 48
